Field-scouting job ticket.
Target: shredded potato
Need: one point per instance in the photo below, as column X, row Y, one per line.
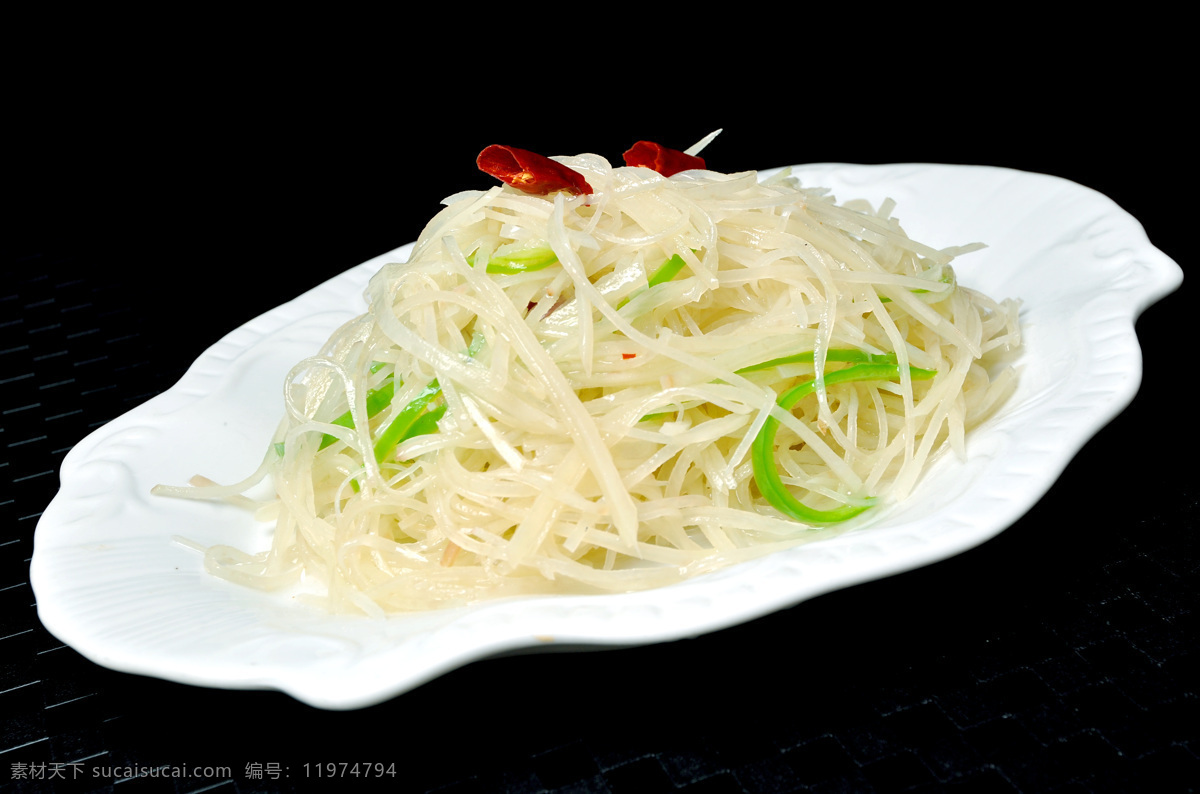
column 568, row 393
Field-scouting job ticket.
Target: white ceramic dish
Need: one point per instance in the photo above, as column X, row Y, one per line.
column 110, row 582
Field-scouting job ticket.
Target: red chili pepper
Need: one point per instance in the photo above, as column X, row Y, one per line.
column 530, row 172
column 663, row 160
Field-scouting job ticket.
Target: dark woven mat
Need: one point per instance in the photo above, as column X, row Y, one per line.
column 1061, row 656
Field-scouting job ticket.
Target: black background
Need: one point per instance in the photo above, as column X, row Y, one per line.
column 180, row 195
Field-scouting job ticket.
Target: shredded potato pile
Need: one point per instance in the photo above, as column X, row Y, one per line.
column 563, row 393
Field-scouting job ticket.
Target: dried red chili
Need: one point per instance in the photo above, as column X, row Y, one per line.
column 530, row 172
column 663, row 160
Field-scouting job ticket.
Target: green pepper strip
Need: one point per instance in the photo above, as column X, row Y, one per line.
column 833, row 354
column 527, row 260
column 665, row 272
column 762, row 455
column 416, row 419
column 942, row 280
column 377, row 400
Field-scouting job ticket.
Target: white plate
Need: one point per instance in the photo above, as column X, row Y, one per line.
column 111, row 583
